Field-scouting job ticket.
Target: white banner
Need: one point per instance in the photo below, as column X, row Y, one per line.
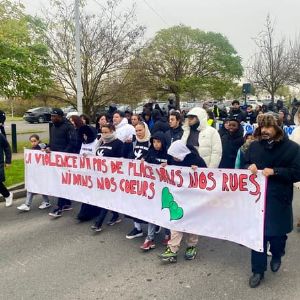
column 219, row 203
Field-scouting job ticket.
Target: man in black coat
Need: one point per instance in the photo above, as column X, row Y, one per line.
column 2, row 120
column 250, row 115
column 63, row 138
column 279, row 160
column 175, row 132
column 236, row 112
column 160, row 123
column 232, row 139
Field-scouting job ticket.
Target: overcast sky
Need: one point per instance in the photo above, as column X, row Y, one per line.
column 239, row 20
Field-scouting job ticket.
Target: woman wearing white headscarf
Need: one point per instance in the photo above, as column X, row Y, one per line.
column 184, row 156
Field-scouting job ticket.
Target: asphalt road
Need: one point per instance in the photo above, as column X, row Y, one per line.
column 25, row 129
column 42, row 258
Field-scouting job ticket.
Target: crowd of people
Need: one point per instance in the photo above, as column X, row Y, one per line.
column 185, row 139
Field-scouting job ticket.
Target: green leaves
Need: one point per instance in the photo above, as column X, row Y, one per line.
column 24, row 70
column 181, row 59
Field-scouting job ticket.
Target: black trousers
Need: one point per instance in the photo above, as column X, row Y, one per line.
column 61, row 202
column 3, row 190
column 259, row 260
column 100, row 219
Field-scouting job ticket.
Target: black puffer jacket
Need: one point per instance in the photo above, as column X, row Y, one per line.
column 173, row 135
column 237, row 114
column 231, row 144
column 157, row 156
column 63, row 137
column 160, row 123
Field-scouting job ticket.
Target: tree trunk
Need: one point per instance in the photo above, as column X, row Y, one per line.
column 272, row 97
column 177, row 101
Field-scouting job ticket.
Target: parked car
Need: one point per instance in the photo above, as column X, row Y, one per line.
column 138, row 110
column 38, row 114
column 68, row 109
column 124, row 107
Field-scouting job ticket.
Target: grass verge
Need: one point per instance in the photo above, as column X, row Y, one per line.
column 15, row 173
column 28, row 132
column 9, row 118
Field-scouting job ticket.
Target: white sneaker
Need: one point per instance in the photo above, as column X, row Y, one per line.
column 44, row 205
column 9, row 200
column 23, row 207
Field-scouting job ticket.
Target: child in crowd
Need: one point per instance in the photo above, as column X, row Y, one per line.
column 184, row 156
column 88, row 140
column 36, row 144
column 240, row 158
column 157, row 154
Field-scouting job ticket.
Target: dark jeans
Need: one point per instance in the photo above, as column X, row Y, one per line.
column 61, row 202
column 3, row 190
column 259, row 260
column 100, row 219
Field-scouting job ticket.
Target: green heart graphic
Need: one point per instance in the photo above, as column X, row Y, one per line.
column 176, row 212
column 166, row 198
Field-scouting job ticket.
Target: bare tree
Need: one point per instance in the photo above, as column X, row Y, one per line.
column 273, row 65
column 108, row 41
column 295, row 55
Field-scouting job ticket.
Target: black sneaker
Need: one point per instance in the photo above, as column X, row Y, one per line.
column 134, row 233
column 56, row 213
column 114, row 221
column 66, row 208
column 96, row 228
column 157, row 229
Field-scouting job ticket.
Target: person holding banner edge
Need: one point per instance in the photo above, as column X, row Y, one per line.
column 198, row 135
column 157, row 154
column 279, row 160
column 63, row 138
column 139, row 150
column 184, row 156
column 108, row 146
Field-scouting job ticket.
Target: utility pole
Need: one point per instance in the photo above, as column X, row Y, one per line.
column 78, row 59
